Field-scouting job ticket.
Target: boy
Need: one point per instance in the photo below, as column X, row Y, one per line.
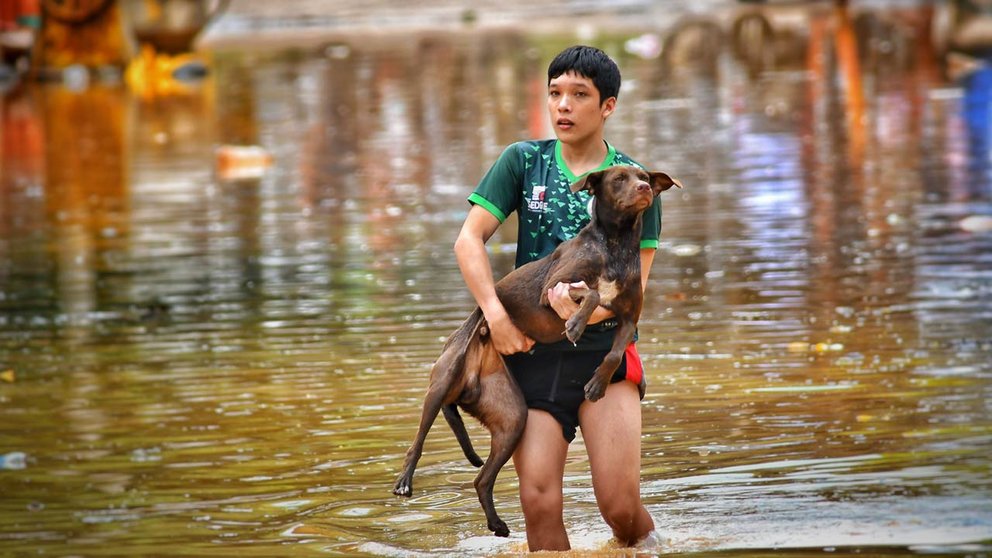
column 533, row 178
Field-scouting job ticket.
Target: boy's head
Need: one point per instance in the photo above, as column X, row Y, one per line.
column 588, row 62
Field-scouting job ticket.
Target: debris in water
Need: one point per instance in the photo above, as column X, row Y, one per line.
column 13, row 461
column 976, row 223
column 826, row 347
column 687, row 250
column 242, row 161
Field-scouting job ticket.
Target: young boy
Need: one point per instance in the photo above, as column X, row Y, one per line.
column 533, row 178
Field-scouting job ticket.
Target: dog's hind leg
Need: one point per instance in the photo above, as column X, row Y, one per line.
column 445, row 383
column 458, row 427
column 506, row 435
column 503, row 444
column 432, row 404
column 504, row 412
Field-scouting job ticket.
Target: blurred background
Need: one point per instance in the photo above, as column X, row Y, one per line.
column 226, row 267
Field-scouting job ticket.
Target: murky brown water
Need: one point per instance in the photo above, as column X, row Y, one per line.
column 195, row 364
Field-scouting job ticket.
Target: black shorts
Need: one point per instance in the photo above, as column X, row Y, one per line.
column 554, row 381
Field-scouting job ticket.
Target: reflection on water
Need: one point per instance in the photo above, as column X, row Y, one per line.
column 191, row 361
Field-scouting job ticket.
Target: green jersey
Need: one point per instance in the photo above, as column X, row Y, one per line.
column 531, row 178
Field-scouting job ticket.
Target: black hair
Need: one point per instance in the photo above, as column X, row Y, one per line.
column 588, row 62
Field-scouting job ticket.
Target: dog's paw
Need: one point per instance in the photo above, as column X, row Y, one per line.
column 595, row 389
column 574, row 329
column 403, row 487
column 499, row 528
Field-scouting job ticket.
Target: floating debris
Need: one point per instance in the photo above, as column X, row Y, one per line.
column 13, row 461
column 976, row 223
column 827, row 347
column 687, row 250
column 242, row 161
column 803, row 347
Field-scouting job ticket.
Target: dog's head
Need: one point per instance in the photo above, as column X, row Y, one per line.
column 625, row 189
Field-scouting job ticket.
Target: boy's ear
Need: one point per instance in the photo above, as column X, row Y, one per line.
column 589, row 182
column 661, row 182
column 609, row 106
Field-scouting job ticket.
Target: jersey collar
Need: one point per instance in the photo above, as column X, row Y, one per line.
column 607, row 162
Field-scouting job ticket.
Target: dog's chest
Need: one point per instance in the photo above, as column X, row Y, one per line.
column 608, row 290
column 620, row 271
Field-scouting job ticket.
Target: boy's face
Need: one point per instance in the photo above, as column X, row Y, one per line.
column 575, row 109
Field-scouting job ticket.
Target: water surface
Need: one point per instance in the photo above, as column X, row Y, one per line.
column 199, row 363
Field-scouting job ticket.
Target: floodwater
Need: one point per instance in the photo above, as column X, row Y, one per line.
column 209, row 361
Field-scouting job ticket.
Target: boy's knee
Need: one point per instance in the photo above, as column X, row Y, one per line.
column 622, row 516
column 539, row 501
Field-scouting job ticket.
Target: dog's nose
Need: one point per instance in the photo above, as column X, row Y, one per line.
column 642, row 186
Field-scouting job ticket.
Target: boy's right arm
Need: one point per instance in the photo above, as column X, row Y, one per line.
column 473, row 261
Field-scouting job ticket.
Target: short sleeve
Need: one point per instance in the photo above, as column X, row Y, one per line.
column 651, row 225
column 651, row 220
column 499, row 190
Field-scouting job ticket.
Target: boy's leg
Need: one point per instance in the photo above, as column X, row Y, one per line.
column 611, row 429
column 540, row 464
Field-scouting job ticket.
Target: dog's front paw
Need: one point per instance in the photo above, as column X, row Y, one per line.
column 499, row 528
column 574, row 329
column 403, row 487
column 595, row 389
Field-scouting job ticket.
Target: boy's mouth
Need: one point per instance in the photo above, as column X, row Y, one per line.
column 564, row 123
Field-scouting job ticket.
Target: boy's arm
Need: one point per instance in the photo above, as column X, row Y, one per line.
column 647, row 258
column 473, row 261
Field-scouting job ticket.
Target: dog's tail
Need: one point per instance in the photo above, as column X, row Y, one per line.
column 472, row 328
column 457, row 425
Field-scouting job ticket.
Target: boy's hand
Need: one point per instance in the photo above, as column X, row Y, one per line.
column 565, row 307
column 561, row 302
column 507, row 339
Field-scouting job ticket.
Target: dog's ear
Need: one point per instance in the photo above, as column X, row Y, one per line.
column 661, row 182
column 589, row 182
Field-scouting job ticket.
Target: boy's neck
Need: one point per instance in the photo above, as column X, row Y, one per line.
column 584, row 157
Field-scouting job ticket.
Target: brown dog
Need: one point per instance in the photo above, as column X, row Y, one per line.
column 470, row 373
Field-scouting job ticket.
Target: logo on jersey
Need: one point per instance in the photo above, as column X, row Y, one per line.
column 537, row 203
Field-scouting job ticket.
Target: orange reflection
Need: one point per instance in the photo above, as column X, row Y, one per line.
column 152, row 74
column 850, row 68
column 85, row 149
column 85, row 185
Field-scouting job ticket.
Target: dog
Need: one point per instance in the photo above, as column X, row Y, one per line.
column 471, row 374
